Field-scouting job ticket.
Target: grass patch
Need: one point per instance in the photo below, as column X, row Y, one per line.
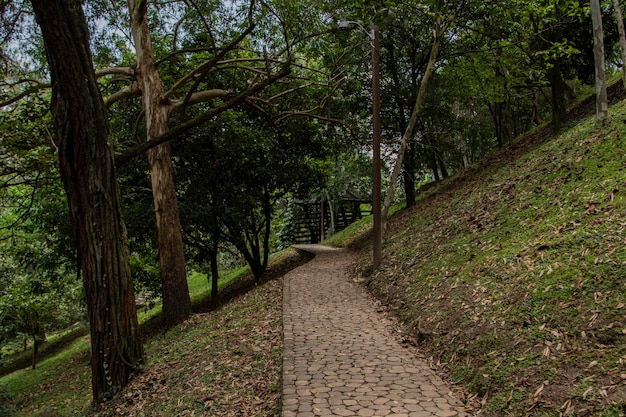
column 61, row 381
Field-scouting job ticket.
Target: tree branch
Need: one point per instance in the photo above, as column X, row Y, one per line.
column 307, row 113
column 197, row 121
column 204, row 67
column 201, row 96
column 28, row 91
column 128, row 71
column 128, row 91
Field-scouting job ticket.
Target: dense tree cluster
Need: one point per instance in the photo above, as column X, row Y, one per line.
column 177, row 132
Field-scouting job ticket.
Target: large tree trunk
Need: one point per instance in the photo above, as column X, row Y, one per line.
column 175, row 291
column 88, row 174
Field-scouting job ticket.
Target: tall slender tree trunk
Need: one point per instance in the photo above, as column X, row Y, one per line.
column 496, row 115
column 89, row 179
column 622, row 36
column 215, row 246
column 175, row 291
column 602, row 105
column 557, row 85
column 410, row 164
column 433, row 166
column 35, row 352
column 215, row 296
column 442, row 166
column 559, row 106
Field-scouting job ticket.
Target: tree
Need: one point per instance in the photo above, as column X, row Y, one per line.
column 438, row 31
column 186, row 87
column 88, row 175
column 26, row 307
column 602, row 104
column 174, row 290
column 39, row 291
column 622, row 37
column 233, row 172
column 408, row 44
column 562, row 21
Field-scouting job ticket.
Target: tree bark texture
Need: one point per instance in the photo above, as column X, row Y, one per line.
column 89, row 179
column 602, row 104
column 175, row 291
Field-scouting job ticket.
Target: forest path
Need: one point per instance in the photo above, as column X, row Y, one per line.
column 340, row 358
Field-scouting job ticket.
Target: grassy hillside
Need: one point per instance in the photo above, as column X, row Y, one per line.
column 223, row 361
column 512, row 274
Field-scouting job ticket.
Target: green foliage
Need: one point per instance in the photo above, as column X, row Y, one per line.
column 286, row 235
column 348, row 173
column 144, row 268
column 37, row 266
column 231, row 175
column 309, row 136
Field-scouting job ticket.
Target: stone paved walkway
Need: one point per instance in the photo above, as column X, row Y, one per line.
column 340, row 359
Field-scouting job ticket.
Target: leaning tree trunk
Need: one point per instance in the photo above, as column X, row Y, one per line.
column 410, row 163
column 175, row 291
column 408, row 133
column 89, row 179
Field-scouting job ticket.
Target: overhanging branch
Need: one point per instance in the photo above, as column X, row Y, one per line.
column 26, row 92
column 197, row 121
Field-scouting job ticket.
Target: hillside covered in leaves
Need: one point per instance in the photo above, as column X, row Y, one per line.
column 512, row 274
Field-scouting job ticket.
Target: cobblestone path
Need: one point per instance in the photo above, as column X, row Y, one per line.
column 340, row 359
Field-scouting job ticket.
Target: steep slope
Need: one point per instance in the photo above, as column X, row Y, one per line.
column 512, row 274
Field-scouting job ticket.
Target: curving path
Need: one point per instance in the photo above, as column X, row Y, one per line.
column 340, row 359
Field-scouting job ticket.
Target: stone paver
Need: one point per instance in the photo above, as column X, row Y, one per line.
column 339, row 357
